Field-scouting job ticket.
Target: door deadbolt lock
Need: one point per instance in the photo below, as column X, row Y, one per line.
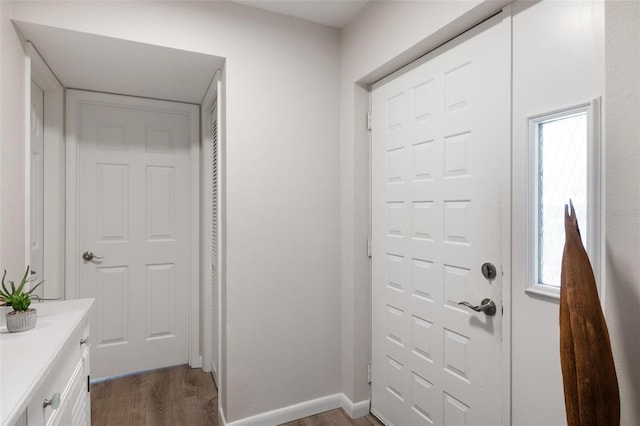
column 489, row 270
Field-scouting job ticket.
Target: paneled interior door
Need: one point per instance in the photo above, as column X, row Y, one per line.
column 440, row 190
column 134, row 228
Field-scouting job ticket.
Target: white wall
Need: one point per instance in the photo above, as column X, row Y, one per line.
column 284, row 303
column 5, row 11
column 383, row 37
column 386, row 35
column 622, row 115
column 283, row 295
column 12, row 148
column 558, row 62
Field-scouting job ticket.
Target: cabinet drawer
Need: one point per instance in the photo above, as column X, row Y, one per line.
column 59, row 376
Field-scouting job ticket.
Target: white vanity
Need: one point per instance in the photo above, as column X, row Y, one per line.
column 44, row 372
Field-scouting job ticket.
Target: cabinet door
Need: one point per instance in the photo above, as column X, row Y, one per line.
column 75, row 406
column 61, row 416
column 79, row 398
column 22, row 420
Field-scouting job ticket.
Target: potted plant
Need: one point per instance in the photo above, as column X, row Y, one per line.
column 22, row 318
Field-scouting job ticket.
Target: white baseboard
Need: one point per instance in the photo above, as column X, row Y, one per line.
column 298, row 411
column 196, row 362
column 355, row 410
column 214, row 372
column 222, row 420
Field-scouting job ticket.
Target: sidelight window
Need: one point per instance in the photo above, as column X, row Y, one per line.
column 564, row 148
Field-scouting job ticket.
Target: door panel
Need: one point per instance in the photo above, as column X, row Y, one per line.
column 440, row 179
column 134, row 209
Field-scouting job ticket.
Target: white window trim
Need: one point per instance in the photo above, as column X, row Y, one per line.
column 594, row 191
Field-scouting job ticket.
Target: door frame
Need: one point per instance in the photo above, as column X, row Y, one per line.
column 72, row 206
column 506, row 211
column 54, row 164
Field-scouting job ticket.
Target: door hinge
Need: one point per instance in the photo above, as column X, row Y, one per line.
column 369, row 373
column 369, row 120
column 369, row 247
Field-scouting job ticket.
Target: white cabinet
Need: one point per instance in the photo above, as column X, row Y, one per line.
column 75, row 407
column 45, row 371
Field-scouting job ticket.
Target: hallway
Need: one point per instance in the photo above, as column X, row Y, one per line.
column 179, row 396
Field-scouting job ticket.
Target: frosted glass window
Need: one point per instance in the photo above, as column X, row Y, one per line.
column 564, row 164
column 562, row 175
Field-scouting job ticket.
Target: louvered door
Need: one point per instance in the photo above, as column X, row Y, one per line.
column 214, row 245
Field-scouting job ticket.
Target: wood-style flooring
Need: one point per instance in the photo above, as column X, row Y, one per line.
column 335, row 417
column 179, row 396
column 171, row 396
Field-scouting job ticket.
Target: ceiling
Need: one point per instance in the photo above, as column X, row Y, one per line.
column 334, row 13
column 104, row 64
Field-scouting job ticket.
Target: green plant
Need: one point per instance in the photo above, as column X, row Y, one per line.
column 20, row 302
column 16, row 297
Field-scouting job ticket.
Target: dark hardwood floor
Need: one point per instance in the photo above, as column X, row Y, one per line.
column 179, row 396
column 171, row 396
column 333, row 418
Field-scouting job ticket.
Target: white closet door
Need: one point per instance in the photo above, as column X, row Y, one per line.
column 215, row 273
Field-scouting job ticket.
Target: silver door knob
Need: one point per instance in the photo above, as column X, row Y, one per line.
column 487, row 306
column 89, row 256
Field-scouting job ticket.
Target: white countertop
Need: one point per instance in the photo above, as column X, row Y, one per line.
column 26, row 356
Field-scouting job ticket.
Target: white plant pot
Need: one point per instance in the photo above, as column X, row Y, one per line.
column 3, row 311
column 21, row 321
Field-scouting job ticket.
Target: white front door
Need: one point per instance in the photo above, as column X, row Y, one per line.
column 36, row 208
column 134, row 228
column 440, row 206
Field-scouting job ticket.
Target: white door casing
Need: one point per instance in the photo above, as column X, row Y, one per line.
column 36, row 182
column 440, row 203
column 135, row 209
